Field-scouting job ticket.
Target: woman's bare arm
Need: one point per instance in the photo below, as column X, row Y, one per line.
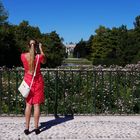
column 42, row 53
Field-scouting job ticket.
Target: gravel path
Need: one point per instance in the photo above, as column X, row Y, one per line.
column 76, row 128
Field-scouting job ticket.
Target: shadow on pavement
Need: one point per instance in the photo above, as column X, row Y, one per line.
column 58, row 120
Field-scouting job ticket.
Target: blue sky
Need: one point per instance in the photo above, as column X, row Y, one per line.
column 73, row 19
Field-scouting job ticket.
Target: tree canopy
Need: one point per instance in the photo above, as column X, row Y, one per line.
column 107, row 46
column 117, row 45
column 14, row 40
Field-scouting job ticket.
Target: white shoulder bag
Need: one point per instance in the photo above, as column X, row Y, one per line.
column 24, row 89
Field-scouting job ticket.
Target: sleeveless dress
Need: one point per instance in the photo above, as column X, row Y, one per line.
column 36, row 95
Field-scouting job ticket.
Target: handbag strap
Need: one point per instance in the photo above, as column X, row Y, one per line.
column 34, row 71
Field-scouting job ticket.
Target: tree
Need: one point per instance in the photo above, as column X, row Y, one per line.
column 137, row 22
column 135, row 39
column 55, row 49
column 109, row 46
column 24, row 32
column 9, row 51
column 100, row 46
column 3, row 14
column 89, row 47
column 80, row 50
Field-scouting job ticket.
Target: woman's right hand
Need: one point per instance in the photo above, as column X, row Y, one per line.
column 40, row 47
column 41, row 51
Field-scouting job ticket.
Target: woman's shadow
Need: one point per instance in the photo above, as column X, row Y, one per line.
column 58, row 120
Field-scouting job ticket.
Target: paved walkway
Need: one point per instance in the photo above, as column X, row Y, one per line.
column 77, row 128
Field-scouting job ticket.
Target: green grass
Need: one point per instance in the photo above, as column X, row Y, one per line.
column 79, row 61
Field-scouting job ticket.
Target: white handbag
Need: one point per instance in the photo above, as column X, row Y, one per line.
column 24, row 89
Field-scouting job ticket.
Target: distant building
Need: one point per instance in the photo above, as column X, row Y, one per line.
column 70, row 48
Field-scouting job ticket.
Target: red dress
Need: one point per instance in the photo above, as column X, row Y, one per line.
column 36, row 95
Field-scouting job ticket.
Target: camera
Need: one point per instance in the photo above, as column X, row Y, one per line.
column 37, row 50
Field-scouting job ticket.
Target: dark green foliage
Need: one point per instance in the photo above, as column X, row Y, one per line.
column 14, row 40
column 83, row 49
column 3, row 14
column 55, row 49
column 137, row 22
column 80, row 50
column 118, row 46
column 9, row 51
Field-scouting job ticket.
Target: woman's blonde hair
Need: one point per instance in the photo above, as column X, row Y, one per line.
column 32, row 54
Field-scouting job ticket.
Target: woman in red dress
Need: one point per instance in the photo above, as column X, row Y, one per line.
column 36, row 95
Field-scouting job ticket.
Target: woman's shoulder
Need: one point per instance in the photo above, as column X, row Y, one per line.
column 23, row 55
